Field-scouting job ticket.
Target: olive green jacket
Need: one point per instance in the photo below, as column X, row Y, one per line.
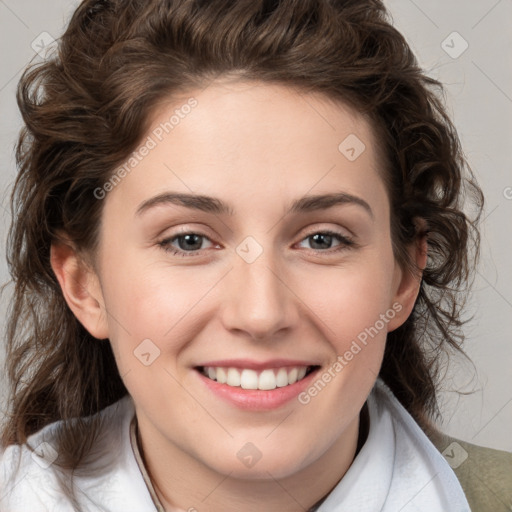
column 484, row 474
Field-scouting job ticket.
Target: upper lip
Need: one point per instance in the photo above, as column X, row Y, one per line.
column 256, row 365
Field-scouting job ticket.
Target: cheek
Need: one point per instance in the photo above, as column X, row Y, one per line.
column 352, row 299
column 170, row 305
column 155, row 302
column 153, row 316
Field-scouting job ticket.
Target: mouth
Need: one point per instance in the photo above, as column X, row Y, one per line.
column 251, row 379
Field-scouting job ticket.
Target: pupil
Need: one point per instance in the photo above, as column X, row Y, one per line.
column 327, row 238
column 191, row 238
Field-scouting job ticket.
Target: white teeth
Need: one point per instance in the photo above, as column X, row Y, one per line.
column 221, row 375
column 233, row 377
column 267, row 380
column 292, row 376
column 250, row 379
column 282, row 378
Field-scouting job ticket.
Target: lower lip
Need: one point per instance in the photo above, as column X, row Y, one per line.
column 257, row 399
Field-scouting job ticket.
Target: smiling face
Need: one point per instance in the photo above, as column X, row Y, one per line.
column 261, row 283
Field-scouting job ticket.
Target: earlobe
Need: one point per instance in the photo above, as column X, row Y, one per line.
column 409, row 281
column 80, row 288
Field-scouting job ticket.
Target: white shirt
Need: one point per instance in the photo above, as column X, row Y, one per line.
column 397, row 470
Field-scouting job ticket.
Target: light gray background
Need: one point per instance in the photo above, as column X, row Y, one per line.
column 479, row 97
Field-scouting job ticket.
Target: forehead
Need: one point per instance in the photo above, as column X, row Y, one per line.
column 259, row 114
column 236, row 140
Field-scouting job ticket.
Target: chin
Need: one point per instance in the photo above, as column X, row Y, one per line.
column 250, row 463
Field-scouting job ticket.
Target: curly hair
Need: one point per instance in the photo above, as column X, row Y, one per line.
column 86, row 108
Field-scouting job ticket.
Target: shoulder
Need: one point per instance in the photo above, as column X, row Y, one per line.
column 26, row 472
column 29, row 476
column 485, row 474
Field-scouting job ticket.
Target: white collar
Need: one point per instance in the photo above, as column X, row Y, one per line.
column 397, row 469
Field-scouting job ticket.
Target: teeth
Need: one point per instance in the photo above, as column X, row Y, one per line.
column 250, row 379
column 282, row 378
column 221, row 375
column 233, row 377
column 267, row 380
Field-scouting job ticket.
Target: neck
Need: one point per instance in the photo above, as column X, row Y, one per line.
column 186, row 484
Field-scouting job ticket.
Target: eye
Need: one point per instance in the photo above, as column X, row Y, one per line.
column 321, row 239
column 189, row 244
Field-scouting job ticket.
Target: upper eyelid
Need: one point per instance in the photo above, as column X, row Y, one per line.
column 338, row 230
column 307, row 230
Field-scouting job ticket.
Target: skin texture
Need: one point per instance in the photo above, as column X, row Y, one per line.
column 257, row 147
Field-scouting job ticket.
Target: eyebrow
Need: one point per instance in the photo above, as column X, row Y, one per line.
column 216, row 206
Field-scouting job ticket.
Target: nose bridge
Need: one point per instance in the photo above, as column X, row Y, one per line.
column 258, row 301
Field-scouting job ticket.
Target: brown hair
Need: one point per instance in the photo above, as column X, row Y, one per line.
column 86, row 109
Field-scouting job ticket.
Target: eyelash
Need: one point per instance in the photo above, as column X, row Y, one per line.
column 345, row 243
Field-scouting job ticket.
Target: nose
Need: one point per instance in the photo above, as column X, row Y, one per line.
column 257, row 299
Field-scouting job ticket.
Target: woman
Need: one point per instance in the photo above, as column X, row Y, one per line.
column 237, row 246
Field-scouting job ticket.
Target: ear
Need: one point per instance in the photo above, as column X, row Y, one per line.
column 408, row 281
column 81, row 288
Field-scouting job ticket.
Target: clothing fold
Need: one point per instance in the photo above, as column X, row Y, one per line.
column 398, row 469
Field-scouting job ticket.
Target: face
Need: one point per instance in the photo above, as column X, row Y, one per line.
column 263, row 283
